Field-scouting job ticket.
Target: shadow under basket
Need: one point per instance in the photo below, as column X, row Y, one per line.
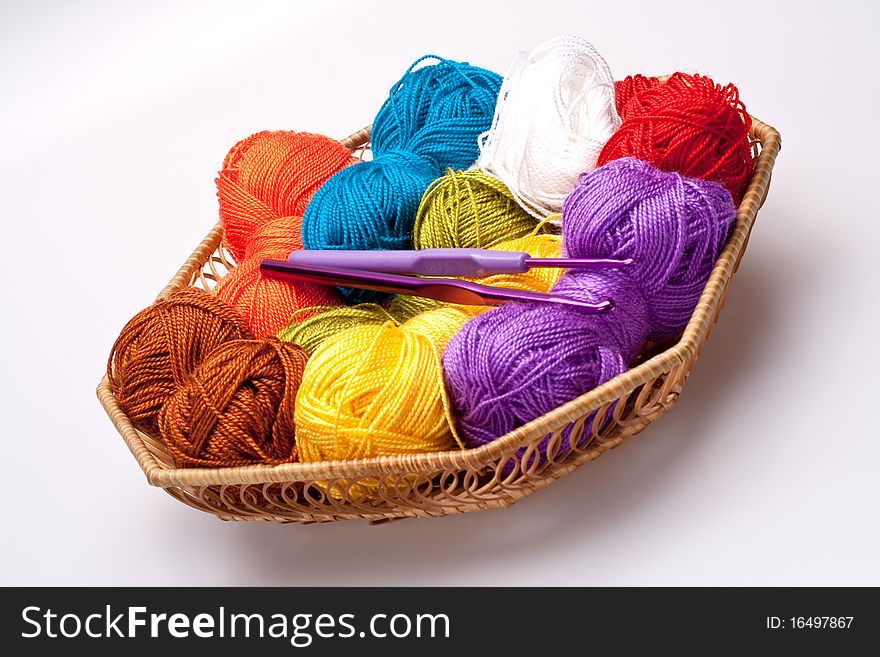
column 386, row 488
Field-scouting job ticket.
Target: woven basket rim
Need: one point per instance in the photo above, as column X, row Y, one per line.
column 681, row 352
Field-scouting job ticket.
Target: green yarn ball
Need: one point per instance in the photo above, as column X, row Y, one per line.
column 310, row 333
column 469, row 209
column 404, row 306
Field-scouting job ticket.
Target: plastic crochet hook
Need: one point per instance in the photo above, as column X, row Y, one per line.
column 444, row 262
column 449, row 290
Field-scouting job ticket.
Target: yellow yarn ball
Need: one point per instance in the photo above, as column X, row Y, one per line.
column 468, row 209
column 378, row 390
column 439, row 326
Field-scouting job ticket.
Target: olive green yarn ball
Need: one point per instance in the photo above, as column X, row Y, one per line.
column 311, row 332
column 469, row 209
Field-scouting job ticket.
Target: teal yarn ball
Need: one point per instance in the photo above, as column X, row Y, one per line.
column 372, row 206
column 431, row 120
column 438, row 111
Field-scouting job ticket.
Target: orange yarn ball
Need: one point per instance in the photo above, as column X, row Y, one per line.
column 275, row 239
column 267, row 304
column 270, row 175
column 237, row 407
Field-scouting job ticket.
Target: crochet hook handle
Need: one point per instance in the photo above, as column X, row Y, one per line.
column 443, row 262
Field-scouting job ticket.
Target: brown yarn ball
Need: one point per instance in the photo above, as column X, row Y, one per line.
column 237, row 408
column 161, row 345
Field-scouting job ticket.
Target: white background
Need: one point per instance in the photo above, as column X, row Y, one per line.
column 115, row 117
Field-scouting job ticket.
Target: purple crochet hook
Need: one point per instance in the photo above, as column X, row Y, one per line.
column 443, row 262
column 449, row 290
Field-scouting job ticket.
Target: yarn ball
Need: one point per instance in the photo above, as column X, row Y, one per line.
column 275, row 238
column 672, row 227
column 468, row 209
column 267, row 304
column 517, row 362
column 430, row 121
column 237, row 408
column 555, row 112
column 269, row 175
column 690, row 125
column 438, row 325
column 627, row 325
column 378, row 390
column 160, row 346
column 404, row 306
column 625, row 89
column 371, row 205
column 438, row 111
column 312, row 332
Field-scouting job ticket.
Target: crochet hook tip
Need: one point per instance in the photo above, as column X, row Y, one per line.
column 598, row 308
column 580, row 263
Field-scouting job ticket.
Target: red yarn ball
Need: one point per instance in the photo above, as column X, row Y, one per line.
column 689, row 125
column 625, row 89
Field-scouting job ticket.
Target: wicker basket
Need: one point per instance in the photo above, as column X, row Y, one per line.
column 435, row 484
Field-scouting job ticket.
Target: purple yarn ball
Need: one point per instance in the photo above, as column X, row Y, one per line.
column 671, row 226
column 515, row 363
column 626, row 326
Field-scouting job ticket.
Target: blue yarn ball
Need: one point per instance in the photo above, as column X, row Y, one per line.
column 439, row 112
column 372, row 205
column 431, row 121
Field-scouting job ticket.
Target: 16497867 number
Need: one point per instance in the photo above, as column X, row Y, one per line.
column 821, row 622
column 809, row 622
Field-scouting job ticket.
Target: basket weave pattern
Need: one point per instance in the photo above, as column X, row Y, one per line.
column 435, row 484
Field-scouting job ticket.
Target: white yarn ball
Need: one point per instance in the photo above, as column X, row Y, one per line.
column 554, row 114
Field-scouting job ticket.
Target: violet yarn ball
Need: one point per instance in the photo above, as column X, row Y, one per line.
column 673, row 228
column 515, row 363
column 627, row 325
